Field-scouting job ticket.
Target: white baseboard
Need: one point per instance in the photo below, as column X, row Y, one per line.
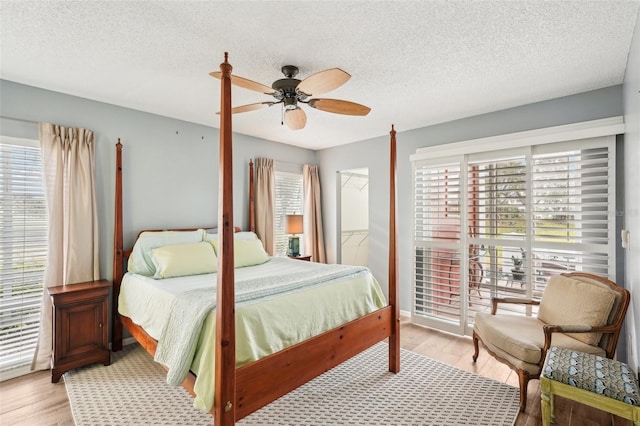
column 125, row 342
column 128, row 341
column 12, row 373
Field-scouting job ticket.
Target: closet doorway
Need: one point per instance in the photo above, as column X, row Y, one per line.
column 353, row 217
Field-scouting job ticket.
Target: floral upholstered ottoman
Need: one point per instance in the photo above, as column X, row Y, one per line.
column 602, row 383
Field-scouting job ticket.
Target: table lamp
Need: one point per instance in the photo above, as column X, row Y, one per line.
column 294, row 227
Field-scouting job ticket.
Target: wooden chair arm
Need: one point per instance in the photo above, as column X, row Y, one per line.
column 517, row 300
column 549, row 329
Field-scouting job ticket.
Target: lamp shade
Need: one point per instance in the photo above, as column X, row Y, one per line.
column 294, row 224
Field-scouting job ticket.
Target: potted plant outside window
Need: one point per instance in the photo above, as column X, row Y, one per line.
column 517, row 271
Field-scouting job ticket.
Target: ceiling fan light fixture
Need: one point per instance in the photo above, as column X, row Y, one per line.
column 295, row 118
column 290, row 103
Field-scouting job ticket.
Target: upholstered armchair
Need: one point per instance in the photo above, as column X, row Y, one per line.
column 578, row 311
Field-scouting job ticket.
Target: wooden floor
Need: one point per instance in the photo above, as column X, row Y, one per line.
column 34, row 400
column 457, row 351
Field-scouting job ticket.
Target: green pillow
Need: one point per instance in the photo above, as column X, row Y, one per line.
column 246, row 252
column 184, row 259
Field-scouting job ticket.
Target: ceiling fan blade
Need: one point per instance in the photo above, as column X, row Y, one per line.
column 250, row 107
column 338, row 106
column 246, row 83
column 323, row 81
column 295, row 119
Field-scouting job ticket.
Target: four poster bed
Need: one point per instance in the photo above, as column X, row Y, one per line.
column 241, row 386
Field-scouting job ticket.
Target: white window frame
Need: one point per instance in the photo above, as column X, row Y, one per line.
column 279, row 221
column 17, row 368
column 523, row 142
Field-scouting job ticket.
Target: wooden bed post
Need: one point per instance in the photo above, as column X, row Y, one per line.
column 225, row 350
column 118, row 253
column 239, row 392
column 252, row 199
column 394, row 338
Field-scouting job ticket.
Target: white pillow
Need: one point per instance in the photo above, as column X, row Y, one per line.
column 246, row 252
column 184, row 259
column 140, row 261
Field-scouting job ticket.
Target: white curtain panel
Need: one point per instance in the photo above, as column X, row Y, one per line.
column 265, row 203
column 69, row 179
column 313, row 234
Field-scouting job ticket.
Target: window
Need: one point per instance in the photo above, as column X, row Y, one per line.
column 437, row 236
column 23, row 248
column 289, row 200
column 527, row 213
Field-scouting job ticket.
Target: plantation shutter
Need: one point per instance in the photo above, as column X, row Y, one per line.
column 437, row 241
column 497, row 213
column 23, row 249
column 289, row 200
column 499, row 223
column 573, row 221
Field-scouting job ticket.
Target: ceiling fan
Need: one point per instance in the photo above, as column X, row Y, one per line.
column 290, row 92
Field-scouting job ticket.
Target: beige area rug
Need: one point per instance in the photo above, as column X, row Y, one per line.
column 133, row 391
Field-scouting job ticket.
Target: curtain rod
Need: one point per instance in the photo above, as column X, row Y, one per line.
column 294, row 164
column 287, row 162
column 19, row 119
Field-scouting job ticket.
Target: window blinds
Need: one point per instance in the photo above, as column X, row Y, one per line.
column 289, row 200
column 500, row 223
column 23, row 248
column 572, row 220
column 437, row 236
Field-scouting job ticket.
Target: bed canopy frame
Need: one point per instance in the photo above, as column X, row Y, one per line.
column 240, row 391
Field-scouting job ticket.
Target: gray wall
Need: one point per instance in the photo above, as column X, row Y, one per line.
column 373, row 153
column 170, row 167
column 631, row 96
column 171, row 173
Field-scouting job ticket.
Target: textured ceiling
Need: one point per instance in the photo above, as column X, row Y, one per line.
column 414, row 63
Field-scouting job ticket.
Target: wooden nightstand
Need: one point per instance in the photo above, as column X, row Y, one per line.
column 80, row 326
column 307, row 258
